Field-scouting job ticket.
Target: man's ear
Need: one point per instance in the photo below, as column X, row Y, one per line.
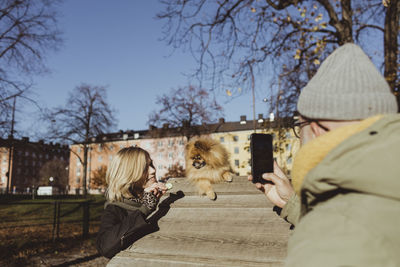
column 316, row 130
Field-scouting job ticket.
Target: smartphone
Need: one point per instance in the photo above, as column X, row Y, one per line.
column 262, row 159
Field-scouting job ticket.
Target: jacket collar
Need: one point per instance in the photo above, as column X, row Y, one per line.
column 312, row 153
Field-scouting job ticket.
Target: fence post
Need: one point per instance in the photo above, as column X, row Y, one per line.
column 58, row 218
column 86, row 214
column 54, row 221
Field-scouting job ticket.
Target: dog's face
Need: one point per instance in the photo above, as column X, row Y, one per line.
column 198, row 162
column 204, row 153
column 198, row 154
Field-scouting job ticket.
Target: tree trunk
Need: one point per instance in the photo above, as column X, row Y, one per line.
column 391, row 45
column 85, row 155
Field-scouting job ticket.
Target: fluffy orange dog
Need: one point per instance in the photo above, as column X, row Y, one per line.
column 207, row 162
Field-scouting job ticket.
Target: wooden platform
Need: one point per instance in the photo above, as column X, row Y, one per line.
column 238, row 229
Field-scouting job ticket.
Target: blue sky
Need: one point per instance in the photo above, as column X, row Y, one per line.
column 117, row 44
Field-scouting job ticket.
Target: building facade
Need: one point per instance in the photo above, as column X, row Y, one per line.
column 22, row 160
column 167, row 148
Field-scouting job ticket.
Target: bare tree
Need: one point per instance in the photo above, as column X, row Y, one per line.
column 28, row 32
column 175, row 171
column 85, row 115
column 184, row 109
column 234, row 40
column 99, row 177
column 57, row 169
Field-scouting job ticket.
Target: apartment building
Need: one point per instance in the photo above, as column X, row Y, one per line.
column 167, row 147
column 21, row 161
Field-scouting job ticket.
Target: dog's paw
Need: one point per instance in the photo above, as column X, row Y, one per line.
column 228, row 177
column 211, row 195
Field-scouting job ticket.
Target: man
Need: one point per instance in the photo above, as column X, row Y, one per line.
column 344, row 199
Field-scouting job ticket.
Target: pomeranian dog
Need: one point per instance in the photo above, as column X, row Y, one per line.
column 207, row 162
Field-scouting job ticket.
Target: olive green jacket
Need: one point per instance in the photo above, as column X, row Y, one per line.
column 350, row 203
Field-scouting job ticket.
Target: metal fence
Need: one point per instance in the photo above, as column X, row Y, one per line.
column 55, row 216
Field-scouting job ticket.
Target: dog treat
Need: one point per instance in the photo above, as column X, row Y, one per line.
column 168, row 186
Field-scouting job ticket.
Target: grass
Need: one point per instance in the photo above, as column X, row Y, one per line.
column 26, row 226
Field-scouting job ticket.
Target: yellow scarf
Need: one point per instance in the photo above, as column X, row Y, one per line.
column 315, row 151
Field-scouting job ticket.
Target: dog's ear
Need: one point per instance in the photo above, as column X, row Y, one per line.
column 201, row 146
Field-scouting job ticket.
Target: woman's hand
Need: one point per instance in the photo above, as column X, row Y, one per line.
column 158, row 189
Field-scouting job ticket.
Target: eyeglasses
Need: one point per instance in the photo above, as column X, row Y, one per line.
column 298, row 125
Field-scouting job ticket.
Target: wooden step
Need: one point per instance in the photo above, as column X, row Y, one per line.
column 238, row 229
column 153, row 259
column 239, row 185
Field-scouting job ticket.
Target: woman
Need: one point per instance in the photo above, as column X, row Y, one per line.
column 132, row 194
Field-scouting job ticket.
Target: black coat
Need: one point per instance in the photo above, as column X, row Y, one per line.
column 121, row 225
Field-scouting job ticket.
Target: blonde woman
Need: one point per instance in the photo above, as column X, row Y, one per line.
column 132, row 194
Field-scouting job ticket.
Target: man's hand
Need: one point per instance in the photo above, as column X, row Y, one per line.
column 280, row 191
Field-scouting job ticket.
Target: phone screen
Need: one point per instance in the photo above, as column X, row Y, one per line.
column 262, row 160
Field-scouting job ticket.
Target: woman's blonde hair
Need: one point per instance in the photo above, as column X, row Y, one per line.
column 127, row 173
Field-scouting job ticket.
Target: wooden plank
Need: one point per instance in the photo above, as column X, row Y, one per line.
column 153, row 259
column 239, row 184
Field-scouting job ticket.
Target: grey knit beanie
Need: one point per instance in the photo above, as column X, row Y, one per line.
column 347, row 86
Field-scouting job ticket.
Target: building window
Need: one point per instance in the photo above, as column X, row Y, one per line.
column 235, row 138
column 170, row 155
column 160, row 156
column 160, row 167
column 77, row 180
column 236, row 162
column 112, row 147
column 170, row 143
column 110, row 158
column 100, row 159
column 222, row 139
column 181, row 142
column 236, row 150
column 79, row 149
column 160, row 144
column 121, row 146
column 26, row 153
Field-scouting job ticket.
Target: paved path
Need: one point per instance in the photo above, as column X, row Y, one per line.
column 238, row 229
